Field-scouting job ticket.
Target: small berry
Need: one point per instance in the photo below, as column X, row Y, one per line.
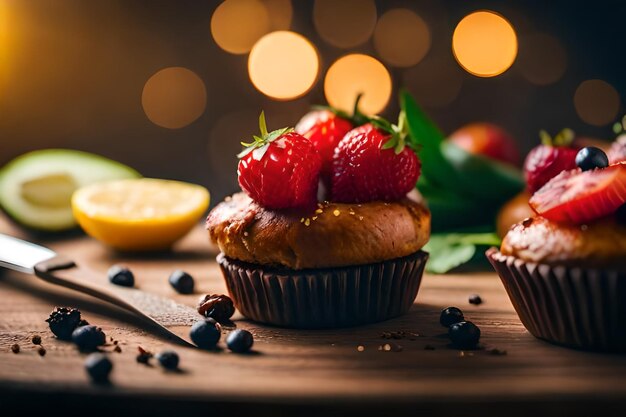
column 121, row 276
column 63, row 321
column 182, row 282
column 450, row 315
column 217, row 306
column 591, row 158
column 15, row 348
column 205, row 333
column 464, row 335
column 240, row 341
column 41, row 351
column 36, row 339
column 98, row 367
column 475, row 299
column 168, row 360
column 143, row 356
column 88, row 338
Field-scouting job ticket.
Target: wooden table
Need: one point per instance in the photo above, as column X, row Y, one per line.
column 295, row 372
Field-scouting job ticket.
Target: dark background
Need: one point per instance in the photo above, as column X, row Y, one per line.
column 72, row 74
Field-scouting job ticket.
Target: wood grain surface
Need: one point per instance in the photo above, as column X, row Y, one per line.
column 294, row 372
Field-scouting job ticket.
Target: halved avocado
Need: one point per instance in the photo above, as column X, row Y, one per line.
column 36, row 188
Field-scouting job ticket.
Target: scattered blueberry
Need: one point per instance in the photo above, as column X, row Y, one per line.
column 239, row 341
column 475, row 299
column 98, row 366
column 464, row 335
column 217, row 306
column 88, row 338
column 63, row 321
column 15, row 348
column 182, row 282
column 36, row 339
column 122, row 276
column 450, row 315
column 206, row 333
column 168, row 359
column 591, row 158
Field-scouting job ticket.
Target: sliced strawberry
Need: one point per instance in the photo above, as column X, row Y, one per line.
column 578, row 197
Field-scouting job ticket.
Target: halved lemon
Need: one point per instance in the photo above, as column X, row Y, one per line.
column 139, row 214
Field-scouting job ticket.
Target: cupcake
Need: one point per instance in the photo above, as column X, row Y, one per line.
column 355, row 257
column 565, row 268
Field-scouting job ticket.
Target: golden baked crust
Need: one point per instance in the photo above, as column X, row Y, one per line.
column 334, row 235
column 536, row 239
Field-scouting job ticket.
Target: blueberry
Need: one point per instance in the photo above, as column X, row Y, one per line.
column 239, row 341
column 98, row 366
column 475, row 299
column 450, row 315
column 591, row 158
column 206, row 333
column 168, row 359
column 464, row 335
column 122, row 276
column 88, row 338
column 182, row 282
column 63, row 321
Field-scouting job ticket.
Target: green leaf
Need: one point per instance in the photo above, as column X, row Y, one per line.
column 451, row 250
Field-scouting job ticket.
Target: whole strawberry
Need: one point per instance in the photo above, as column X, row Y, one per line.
column 549, row 159
column 280, row 169
column 324, row 129
column 374, row 162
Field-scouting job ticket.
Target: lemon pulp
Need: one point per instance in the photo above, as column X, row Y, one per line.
column 139, row 214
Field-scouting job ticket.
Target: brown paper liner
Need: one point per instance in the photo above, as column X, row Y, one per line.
column 324, row 298
column 582, row 308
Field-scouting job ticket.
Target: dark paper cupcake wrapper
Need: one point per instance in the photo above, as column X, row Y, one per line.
column 583, row 308
column 324, row 298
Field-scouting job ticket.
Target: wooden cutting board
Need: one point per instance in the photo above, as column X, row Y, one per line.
column 322, row 370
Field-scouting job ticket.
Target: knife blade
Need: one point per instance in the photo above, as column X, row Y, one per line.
column 164, row 314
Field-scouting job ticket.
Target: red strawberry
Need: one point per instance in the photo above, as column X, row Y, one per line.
column 372, row 162
column 280, row 169
column 324, row 129
column 577, row 197
column 488, row 140
column 549, row 159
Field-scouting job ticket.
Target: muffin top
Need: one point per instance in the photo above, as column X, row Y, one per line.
column 334, row 235
column 537, row 239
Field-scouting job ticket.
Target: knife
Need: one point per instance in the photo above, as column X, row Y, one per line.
column 164, row 315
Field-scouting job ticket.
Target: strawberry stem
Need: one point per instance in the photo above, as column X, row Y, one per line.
column 399, row 133
column 357, row 118
column 564, row 138
column 261, row 143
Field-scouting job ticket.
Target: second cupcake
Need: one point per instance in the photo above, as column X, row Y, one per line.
column 355, row 257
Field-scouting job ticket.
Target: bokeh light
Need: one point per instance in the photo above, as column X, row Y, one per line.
column 283, row 65
column 174, row 97
column 435, row 82
column 401, row 38
column 354, row 74
column 542, row 59
column 280, row 13
column 596, row 102
column 484, row 44
column 345, row 23
column 237, row 24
